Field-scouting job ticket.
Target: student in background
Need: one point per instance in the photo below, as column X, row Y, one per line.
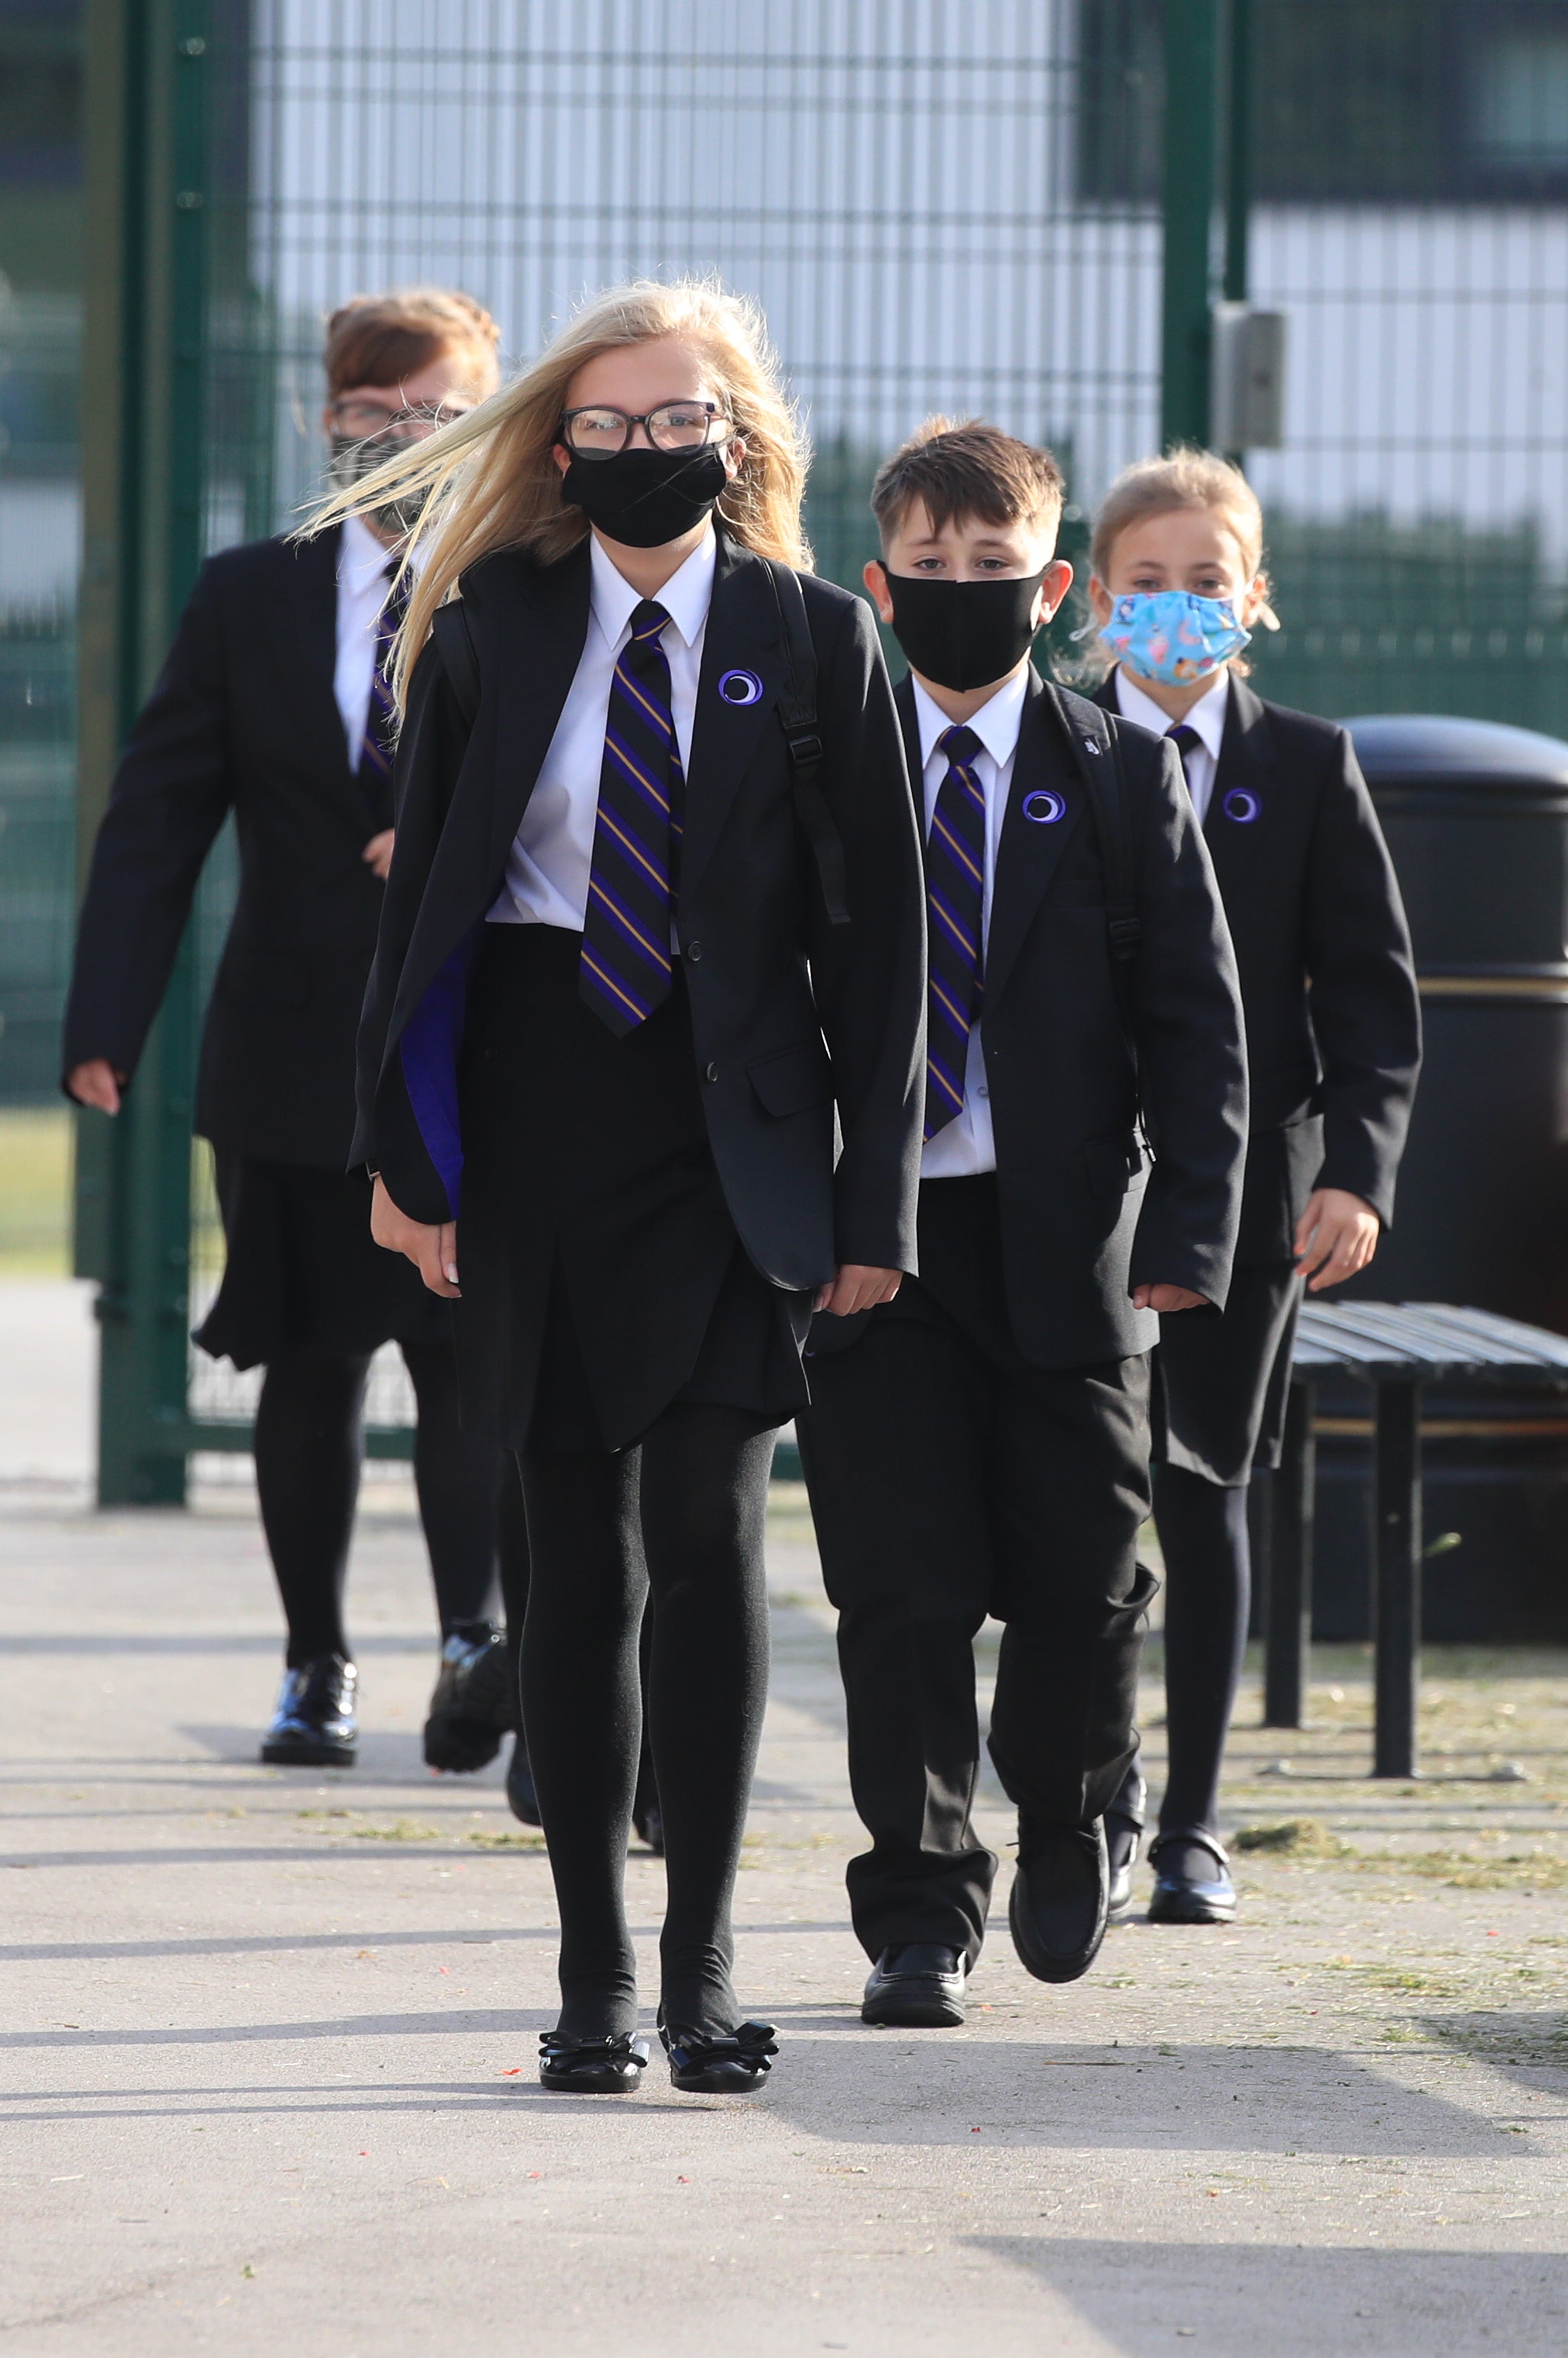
column 1333, row 1045
column 274, row 705
column 980, row 1444
column 612, row 1034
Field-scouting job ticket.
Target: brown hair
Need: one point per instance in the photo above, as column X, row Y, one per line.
column 966, row 469
column 491, row 479
column 382, row 339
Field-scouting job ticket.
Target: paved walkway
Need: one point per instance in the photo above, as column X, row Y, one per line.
column 269, row 2034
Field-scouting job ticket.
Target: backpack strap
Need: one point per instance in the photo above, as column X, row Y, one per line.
column 460, row 657
column 796, row 705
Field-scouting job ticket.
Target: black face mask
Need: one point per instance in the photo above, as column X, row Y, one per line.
column 353, row 460
column 642, row 498
column 962, row 633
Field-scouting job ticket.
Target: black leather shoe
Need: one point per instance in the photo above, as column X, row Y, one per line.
column 706, row 2066
column 522, row 1800
column 1057, row 1908
column 591, row 2067
column 465, row 1726
column 650, row 1824
column 1192, row 1881
column 916, row 1986
column 313, row 1727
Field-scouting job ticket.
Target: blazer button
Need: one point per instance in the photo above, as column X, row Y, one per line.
column 712, row 1072
column 694, row 951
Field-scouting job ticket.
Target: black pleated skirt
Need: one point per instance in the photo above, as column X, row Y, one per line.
column 303, row 1270
column 603, row 1278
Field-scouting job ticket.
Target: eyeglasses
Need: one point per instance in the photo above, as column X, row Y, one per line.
column 367, row 419
column 599, row 433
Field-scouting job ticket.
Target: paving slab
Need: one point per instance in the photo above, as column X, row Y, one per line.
column 269, row 2034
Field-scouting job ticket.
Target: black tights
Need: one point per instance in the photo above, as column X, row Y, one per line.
column 309, row 1444
column 683, row 1515
column 1208, row 1572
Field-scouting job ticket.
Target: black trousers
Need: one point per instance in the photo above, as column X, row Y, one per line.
column 950, row 1480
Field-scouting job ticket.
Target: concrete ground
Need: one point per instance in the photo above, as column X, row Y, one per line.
column 1351, row 2137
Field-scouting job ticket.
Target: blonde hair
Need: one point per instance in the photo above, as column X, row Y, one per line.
column 1185, row 477
column 492, row 479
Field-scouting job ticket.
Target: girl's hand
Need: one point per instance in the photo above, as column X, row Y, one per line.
column 96, row 1083
column 432, row 1250
column 1336, row 1236
column 855, row 1287
column 377, row 853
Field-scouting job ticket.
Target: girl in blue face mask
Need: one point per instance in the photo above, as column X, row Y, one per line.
column 1177, row 589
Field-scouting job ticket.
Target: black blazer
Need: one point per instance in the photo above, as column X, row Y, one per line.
column 243, row 718
column 1086, row 1215
column 789, row 1020
column 1327, row 981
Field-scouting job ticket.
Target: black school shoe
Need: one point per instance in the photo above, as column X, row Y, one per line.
column 521, row 1799
column 702, row 2065
column 1060, row 1894
column 1123, row 1841
column 469, row 1709
column 313, row 1727
column 591, row 2067
column 1192, row 1881
column 916, row 1986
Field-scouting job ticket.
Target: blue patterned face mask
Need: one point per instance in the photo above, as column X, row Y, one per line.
column 1174, row 636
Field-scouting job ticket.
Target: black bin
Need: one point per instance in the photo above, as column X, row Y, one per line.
column 1477, row 819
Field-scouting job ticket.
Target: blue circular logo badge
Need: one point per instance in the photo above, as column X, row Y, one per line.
column 1242, row 804
column 741, row 688
column 1044, row 807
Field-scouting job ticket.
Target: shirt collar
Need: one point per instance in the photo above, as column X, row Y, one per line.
column 996, row 724
column 686, row 596
column 1206, row 715
column 362, row 561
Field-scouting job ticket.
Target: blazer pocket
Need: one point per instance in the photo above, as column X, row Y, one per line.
column 1111, row 1164
column 793, row 1079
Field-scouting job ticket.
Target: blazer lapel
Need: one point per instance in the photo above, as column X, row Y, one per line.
column 1235, row 823
column 743, row 637
column 1045, row 804
column 542, row 652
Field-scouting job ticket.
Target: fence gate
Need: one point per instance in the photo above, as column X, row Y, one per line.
column 1022, row 208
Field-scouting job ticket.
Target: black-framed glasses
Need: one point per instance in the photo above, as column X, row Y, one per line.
column 597, row 432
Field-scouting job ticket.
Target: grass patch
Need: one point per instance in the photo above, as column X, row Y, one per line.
column 485, row 1841
column 1519, row 1871
column 36, row 1154
column 403, row 1830
column 1292, row 1838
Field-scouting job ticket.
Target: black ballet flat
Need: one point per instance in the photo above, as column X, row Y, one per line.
column 721, row 2067
column 314, row 1726
column 592, row 2067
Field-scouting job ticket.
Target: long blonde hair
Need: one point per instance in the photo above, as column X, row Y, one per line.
column 490, row 478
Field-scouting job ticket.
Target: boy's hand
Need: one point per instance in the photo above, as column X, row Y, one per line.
column 377, row 853
column 856, row 1287
column 432, row 1250
column 1165, row 1299
column 96, row 1083
column 1336, row 1236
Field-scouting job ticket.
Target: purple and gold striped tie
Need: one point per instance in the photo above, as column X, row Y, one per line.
column 379, row 748
column 625, row 969
column 955, row 899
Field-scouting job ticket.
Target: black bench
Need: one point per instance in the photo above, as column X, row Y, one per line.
column 1396, row 1349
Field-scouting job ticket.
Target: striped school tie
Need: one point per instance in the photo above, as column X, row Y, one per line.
column 1186, row 741
column 625, row 969
column 954, row 898
column 379, row 749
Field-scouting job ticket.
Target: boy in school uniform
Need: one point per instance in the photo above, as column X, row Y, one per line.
column 980, row 1444
column 1334, row 1048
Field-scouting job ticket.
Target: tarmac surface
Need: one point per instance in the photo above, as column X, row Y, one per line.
column 269, row 2042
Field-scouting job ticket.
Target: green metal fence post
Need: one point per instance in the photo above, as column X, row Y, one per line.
column 1192, row 60
column 1237, row 149
column 143, row 529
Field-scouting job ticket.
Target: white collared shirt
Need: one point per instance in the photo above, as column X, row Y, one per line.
column 362, row 584
column 966, row 1145
column 1206, row 715
column 552, row 853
